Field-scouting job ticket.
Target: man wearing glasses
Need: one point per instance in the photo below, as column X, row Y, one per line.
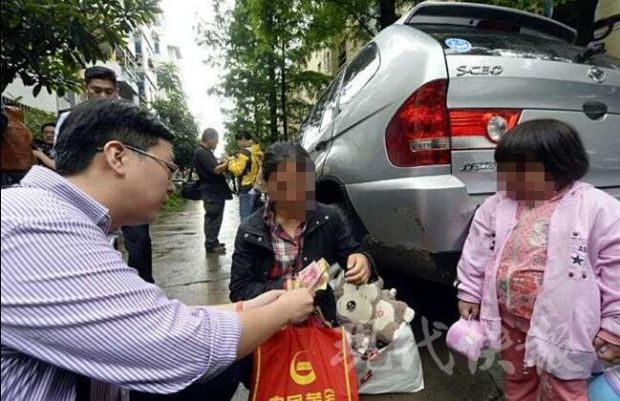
column 73, row 311
column 101, row 84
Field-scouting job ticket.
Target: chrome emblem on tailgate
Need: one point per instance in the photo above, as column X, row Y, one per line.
column 479, row 70
column 597, row 75
column 478, row 166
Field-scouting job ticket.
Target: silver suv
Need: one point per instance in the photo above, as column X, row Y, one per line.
column 403, row 137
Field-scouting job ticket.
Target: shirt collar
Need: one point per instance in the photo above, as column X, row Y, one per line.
column 269, row 216
column 44, row 178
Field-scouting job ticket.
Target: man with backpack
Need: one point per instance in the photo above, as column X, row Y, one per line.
column 246, row 166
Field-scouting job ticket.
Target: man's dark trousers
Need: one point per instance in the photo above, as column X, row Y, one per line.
column 214, row 213
column 138, row 244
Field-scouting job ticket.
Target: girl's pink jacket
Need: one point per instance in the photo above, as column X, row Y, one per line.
column 580, row 295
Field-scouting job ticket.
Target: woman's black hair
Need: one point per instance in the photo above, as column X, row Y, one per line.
column 243, row 134
column 553, row 143
column 286, row 151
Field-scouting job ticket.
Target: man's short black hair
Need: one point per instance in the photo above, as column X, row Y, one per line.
column 92, row 124
column 98, row 72
column 49, row 124
column 553, row 143
column 244, row 134
column 209, row 133
column 286, row 151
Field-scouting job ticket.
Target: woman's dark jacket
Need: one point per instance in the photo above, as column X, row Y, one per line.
column 327, row 235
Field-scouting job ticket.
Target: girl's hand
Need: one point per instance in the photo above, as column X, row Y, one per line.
column 469, row 310
column 263, row 299
column 607, row 352
column 358, row 269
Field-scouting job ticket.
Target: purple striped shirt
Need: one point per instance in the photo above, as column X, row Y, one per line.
column 71, row 305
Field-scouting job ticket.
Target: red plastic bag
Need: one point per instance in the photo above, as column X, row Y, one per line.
column 305, row 363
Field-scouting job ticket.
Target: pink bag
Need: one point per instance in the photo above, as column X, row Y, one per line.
column 467, row 338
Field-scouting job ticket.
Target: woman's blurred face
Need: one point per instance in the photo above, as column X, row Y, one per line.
column 291, row 185
column 525, row 181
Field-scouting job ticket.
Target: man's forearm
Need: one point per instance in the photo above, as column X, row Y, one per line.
column 258, row 325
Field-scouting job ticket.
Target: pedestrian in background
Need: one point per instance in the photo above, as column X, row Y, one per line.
column 541, row 266
column 44, row 149
column 215, row 191
column 246, row 166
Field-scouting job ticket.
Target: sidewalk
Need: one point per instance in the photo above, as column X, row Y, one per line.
column 184, row 271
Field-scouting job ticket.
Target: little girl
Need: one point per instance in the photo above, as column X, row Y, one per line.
column 541, row 266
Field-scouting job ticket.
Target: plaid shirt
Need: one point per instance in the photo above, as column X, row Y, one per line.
column 286, row 250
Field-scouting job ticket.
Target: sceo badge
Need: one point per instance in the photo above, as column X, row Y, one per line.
column 458, row 44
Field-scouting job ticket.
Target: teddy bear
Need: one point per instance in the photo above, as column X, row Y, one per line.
column 370, row 309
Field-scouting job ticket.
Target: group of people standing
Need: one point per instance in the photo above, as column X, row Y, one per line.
column 540, row 266
column 245, row 167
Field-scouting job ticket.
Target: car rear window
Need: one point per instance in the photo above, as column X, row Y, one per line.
column 502, row 44
column 359, row 72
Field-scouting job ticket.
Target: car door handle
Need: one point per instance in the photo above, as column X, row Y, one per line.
column 594, row 110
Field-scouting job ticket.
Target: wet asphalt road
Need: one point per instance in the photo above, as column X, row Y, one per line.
column 184, row 271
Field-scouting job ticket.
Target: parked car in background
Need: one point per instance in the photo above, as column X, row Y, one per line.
column 403, row 137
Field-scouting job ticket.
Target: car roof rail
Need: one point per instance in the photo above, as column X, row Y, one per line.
column 472, row 15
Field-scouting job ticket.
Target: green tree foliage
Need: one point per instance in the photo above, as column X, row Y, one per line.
column 47, row 42
column 263, row 46
column 173, row 111
column 35, row 118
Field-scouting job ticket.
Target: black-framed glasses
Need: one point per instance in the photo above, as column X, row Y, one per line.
column 172, row 168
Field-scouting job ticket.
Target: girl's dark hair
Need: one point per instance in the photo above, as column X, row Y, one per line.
column 286, row 151
column 551, row 142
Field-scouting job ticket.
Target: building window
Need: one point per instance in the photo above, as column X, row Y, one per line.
column 156, row 43
column 138, row 46
column 141, row 91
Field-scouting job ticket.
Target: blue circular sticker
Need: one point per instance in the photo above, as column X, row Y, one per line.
column 458, row 44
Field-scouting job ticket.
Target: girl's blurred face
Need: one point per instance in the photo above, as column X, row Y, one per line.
column 525, row 181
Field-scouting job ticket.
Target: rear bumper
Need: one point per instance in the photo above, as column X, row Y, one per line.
column 432, row 214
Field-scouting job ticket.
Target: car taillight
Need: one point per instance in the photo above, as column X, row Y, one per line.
column 418, row 134
column 480, row 128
